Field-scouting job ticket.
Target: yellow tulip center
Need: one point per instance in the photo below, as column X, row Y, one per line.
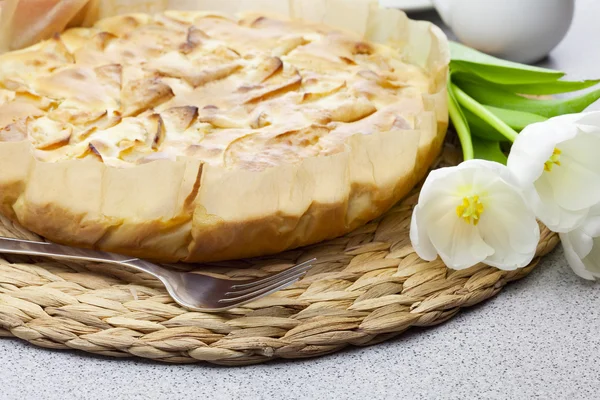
column 470, row 209
column 553, row 160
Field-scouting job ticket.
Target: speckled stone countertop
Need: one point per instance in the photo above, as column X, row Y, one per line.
column 539, row 338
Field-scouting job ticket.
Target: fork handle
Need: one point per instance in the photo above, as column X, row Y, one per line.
column 34, row 248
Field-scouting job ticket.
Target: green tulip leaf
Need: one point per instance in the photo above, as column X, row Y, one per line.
column 482, row 129
column 488, row 150
column 496, row 70
column 551, row 87
column 460, row 124
column 541, row 88
column 468, row 103
column 516, row 119
column 500, row 98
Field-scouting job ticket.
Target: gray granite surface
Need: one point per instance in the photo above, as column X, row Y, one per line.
column 539, row 338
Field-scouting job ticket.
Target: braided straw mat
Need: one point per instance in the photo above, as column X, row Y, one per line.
column 367, row 287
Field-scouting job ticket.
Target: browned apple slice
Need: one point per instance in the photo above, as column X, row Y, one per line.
column 142, row 94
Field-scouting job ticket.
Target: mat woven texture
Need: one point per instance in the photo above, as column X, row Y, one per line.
column 368, row 286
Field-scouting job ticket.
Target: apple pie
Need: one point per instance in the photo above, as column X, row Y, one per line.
column 194, row 136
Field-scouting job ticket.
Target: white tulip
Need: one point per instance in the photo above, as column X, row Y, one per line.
column 557, row 163
column 582, row 246
column 474, row 212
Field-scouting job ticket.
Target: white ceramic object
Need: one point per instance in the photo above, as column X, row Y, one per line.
column 407, row 5
column 519, row 30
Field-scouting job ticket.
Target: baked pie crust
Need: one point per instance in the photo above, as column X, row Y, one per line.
column 193, row 136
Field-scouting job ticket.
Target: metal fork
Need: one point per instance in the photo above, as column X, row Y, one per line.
column 193, row 291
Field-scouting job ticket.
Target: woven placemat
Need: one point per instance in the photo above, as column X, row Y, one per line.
column 367, row 287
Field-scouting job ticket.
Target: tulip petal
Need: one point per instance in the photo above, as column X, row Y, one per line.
column 439, row 182
column 490, row 169
column 460, row 246
column 581, row 242
column 444, row 224
column 505, row 258
column 576, row 182
column 442, row 205
column 573, row 259
column 592, row 261
column 535, row 145
column 497, row 236
column 547, row 210
column 420, row 239
column 521, row 226
column 510, row 228
column 590, row 119
column 591, row 227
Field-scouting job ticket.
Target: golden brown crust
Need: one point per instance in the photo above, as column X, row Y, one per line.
column 214, row 201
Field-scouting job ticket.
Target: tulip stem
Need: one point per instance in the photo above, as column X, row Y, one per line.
column 460, row 124
column 472, row 105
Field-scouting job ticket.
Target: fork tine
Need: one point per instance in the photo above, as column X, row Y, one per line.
column 264, row 283
column 296, row 268
column 264, row 291
column 236, row 294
